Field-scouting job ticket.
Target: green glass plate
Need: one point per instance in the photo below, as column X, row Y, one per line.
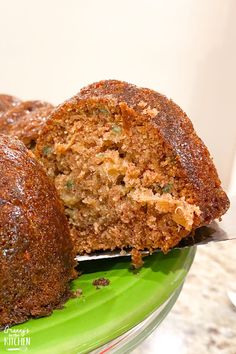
column 101, row 315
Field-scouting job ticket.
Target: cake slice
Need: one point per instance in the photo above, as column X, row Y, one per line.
column 130, row 169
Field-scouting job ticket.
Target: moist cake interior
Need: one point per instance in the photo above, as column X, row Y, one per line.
column 119, row 182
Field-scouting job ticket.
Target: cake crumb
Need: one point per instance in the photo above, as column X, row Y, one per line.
column 101, row 282
column 136, row 258
column 78, row 293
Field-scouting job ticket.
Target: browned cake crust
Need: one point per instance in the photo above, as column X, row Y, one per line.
column 129, row 168
column 36, row 260
column 7, row 102
column 25, row 120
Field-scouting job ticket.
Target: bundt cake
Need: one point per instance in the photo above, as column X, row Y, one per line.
column 36, row 257
column 7, row 102
column 25, row 120
column 129, row 168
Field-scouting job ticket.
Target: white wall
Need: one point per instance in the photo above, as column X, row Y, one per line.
column 186, row 49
